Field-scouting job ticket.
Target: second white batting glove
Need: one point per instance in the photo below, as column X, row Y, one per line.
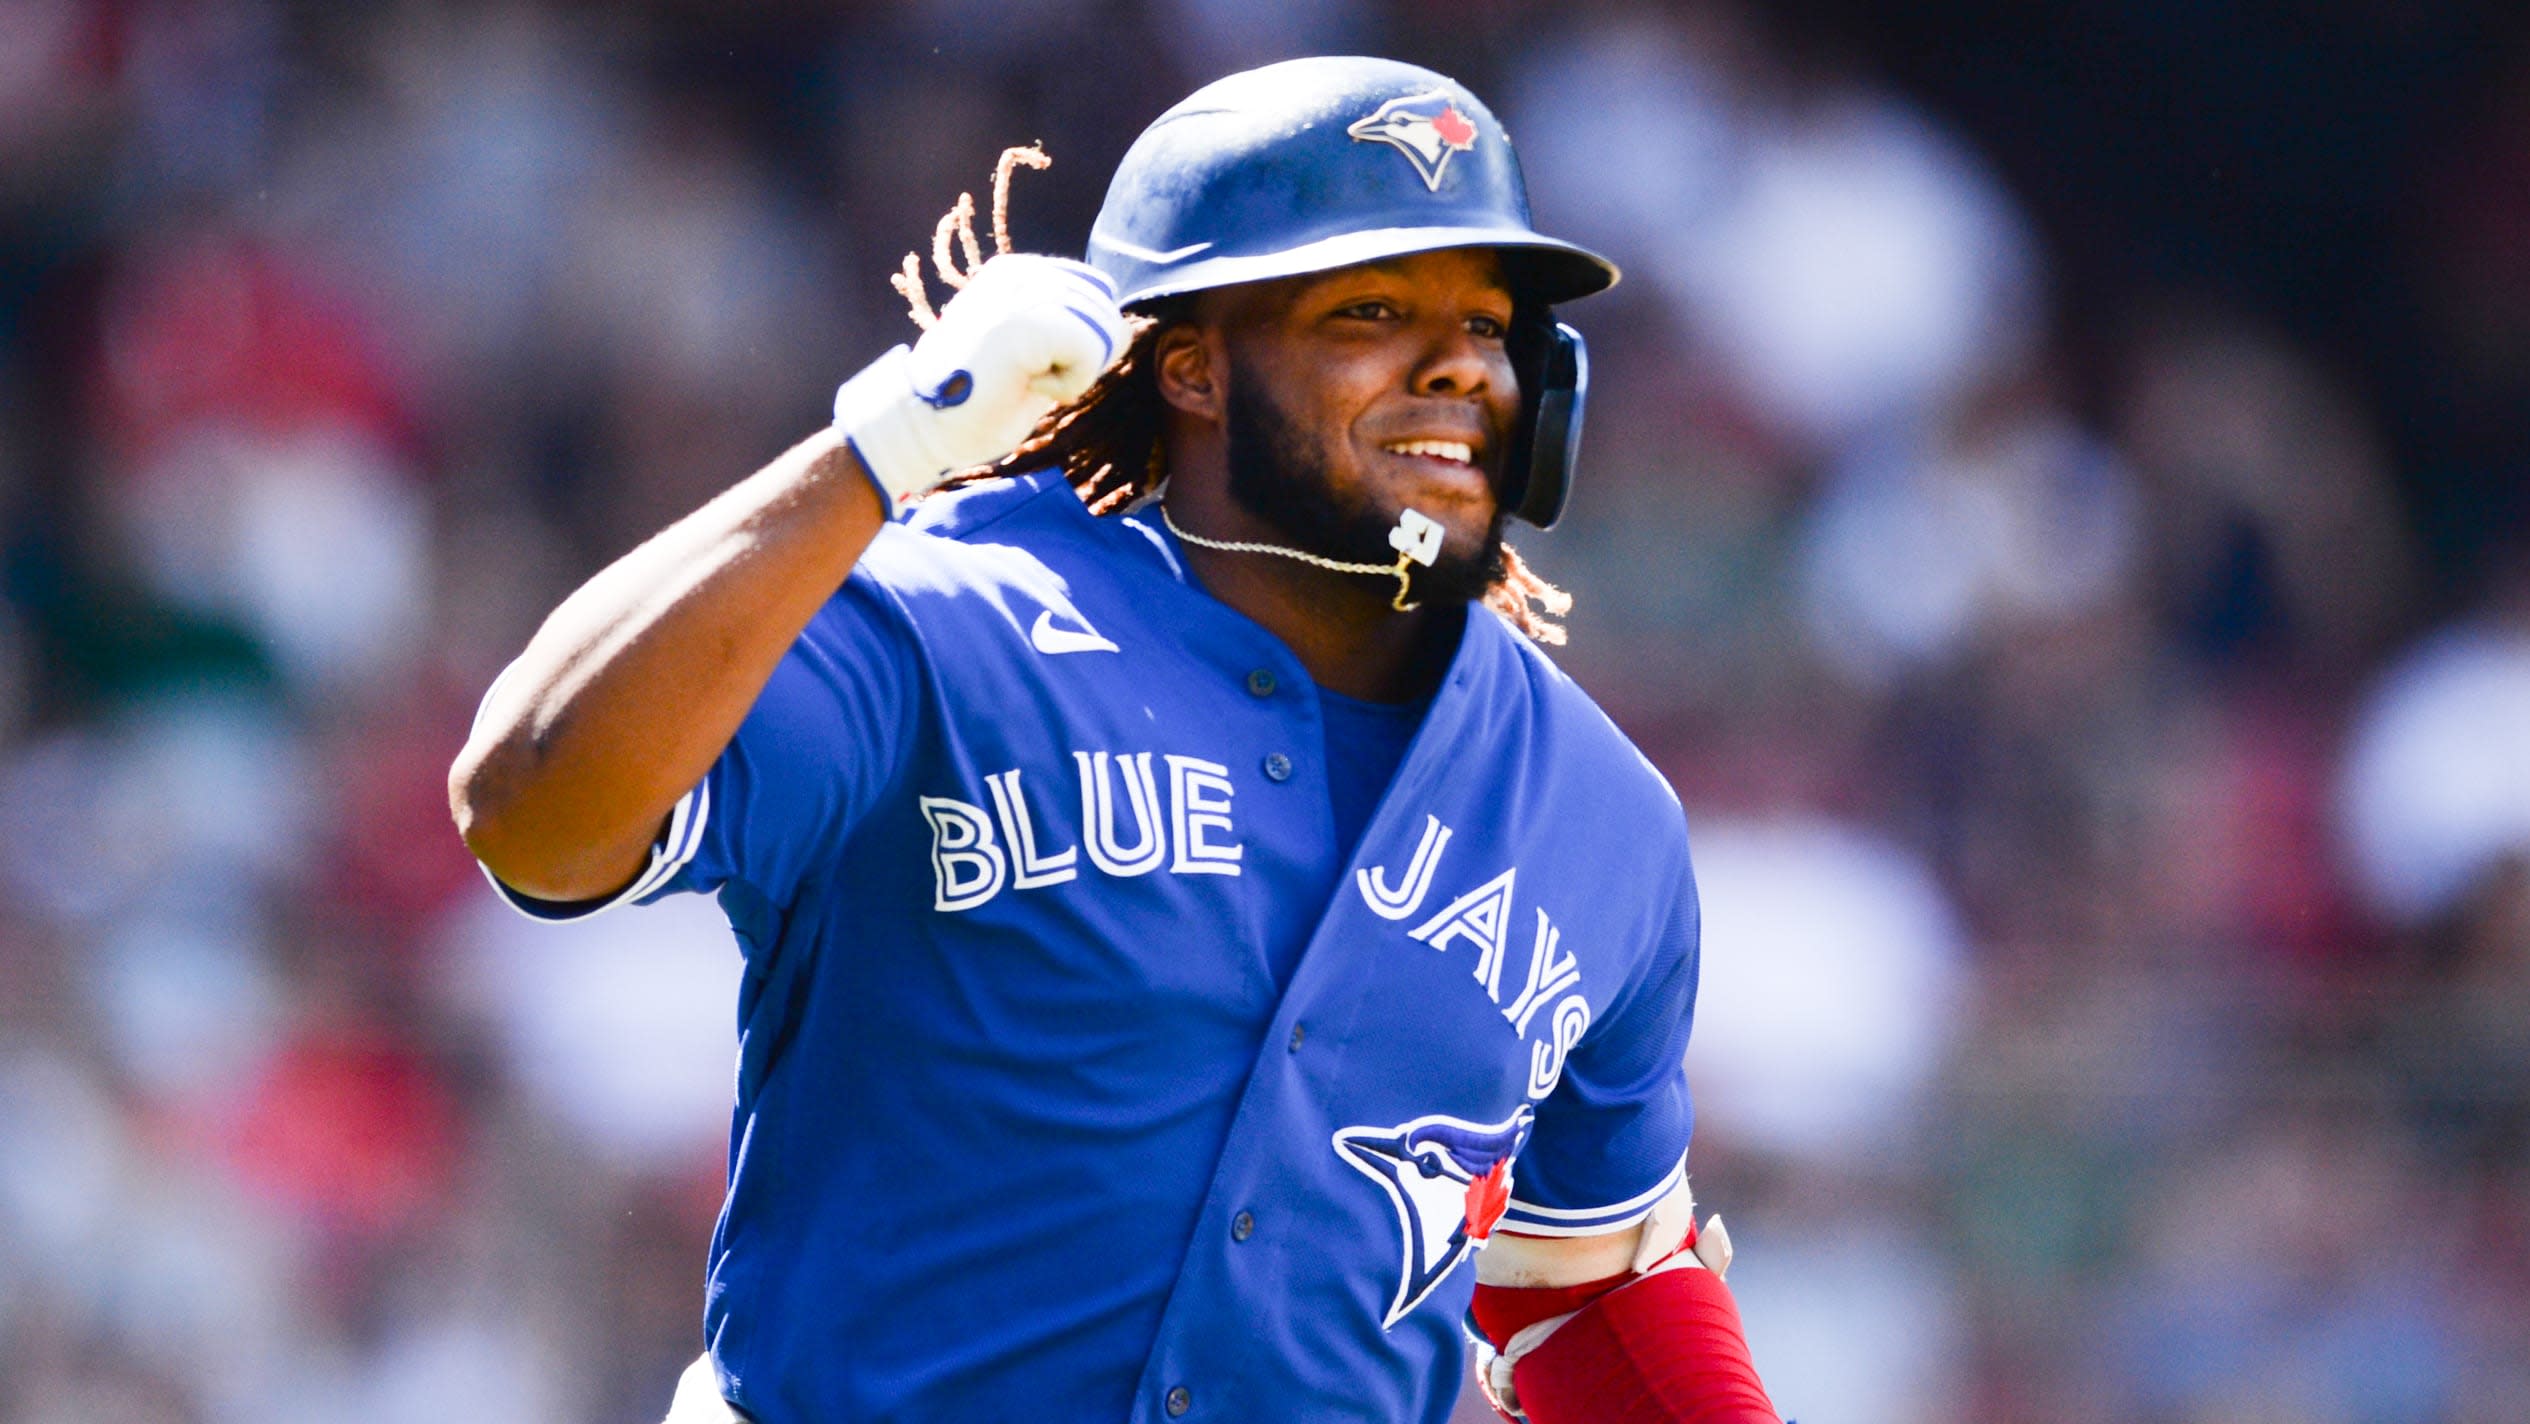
column 1027, row 334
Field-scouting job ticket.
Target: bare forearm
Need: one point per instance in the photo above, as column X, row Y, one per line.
column 629, row 692
column 1511, row 1259
column 631, row 688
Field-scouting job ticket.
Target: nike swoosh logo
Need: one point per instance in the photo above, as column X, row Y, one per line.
column 1135, row 249
column 1047, row 637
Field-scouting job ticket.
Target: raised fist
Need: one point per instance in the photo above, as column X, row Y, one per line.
column 1026, row 335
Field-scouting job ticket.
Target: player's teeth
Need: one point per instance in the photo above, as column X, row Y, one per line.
column 1440, row 449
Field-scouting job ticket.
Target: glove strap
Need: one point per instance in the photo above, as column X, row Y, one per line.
column 880, row 415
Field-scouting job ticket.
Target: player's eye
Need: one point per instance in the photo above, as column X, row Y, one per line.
column 1492, row 328
column 1373, row 309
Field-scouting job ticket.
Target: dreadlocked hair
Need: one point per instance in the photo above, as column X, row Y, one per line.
column 1107, row 441
column 1528, row 601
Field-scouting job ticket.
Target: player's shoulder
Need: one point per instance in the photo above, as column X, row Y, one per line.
column 1013, row 506
column 999, row 533
column 988, row 560
column 1584, row 739
column 1037, row 511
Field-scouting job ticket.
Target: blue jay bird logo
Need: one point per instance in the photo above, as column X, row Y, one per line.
column 1449, row 1180
column 1426, row 128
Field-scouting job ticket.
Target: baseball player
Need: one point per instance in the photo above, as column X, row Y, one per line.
column 1185, row 917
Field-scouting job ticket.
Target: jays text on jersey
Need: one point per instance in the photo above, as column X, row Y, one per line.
column 1079, row 1077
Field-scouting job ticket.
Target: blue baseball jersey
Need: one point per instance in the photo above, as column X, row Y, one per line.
column 1081, row 1074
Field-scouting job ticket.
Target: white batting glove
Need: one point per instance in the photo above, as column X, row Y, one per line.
column 1027, row 334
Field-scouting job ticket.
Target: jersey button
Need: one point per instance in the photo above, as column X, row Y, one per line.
column 1261, row 682
column 1298, row 1032
column 1278, row 767
column 1242, row 1226
column 1179, row 1401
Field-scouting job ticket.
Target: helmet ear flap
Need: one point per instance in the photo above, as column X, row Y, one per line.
column 1553, row 364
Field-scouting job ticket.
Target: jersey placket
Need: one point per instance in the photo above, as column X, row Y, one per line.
column 1233, row 1281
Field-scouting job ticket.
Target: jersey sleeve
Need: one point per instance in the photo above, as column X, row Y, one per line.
column 1611, row 1138
column 823, row 740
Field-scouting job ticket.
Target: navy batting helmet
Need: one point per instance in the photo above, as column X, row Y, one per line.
column 1314, row 164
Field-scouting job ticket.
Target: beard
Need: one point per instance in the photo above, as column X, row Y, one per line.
column 1278, row 476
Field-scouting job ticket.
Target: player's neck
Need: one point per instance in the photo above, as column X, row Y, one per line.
column 1342, row 627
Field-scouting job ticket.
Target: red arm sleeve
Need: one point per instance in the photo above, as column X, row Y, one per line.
column 1664, row 1349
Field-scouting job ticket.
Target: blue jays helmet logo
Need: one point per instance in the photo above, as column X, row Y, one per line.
column 1449, row 1180
column 1426, row 128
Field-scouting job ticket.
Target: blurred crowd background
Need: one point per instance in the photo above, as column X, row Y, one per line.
column 2056, row 502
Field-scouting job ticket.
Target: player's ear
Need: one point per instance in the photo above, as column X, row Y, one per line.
column 1189, row 368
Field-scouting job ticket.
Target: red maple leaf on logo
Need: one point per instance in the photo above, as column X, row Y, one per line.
column 1486, row 1197
column 1454, row 128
